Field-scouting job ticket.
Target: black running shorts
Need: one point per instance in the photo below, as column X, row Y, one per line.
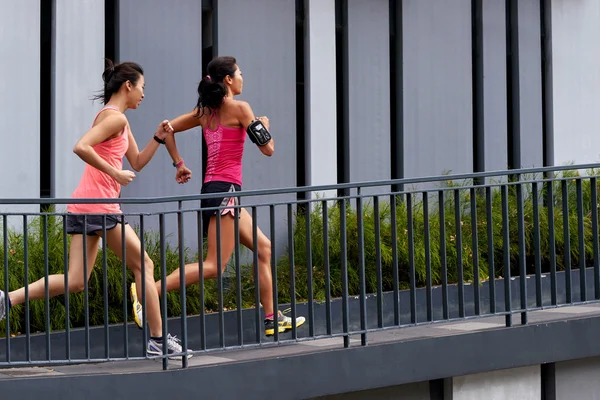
column 93, row 223
column 228, row 190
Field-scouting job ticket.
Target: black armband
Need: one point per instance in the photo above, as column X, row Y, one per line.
column 258, row 133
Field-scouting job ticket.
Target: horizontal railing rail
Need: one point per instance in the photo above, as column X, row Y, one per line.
column 304, row 189
column 373, row 256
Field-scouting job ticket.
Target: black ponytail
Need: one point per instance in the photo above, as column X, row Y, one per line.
column 212, row 89
column 114, row 76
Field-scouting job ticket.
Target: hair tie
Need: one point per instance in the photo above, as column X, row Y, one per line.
column 110, row 73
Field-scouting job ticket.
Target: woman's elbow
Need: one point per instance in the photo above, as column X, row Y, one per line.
column 268, row 150
column 79, row 149
column 137, row 165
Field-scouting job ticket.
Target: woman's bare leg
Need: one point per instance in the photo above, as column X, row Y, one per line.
column 134, row 263
column 56, row 283
column 265, row 278
column 209, row 266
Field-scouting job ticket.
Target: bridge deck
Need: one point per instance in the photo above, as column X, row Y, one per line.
column 270, row 351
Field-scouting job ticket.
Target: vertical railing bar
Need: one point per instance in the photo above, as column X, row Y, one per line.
column 326, row 266
column 274, row 271
column 105, row 291
column 552, row 243
column 522, row 253
column 395, row 274
column 581, row 237
column 567, row 241
column 506, row 256
column 182, row 284
column 124, row 272
column 344, row 271
column 66, row 275
column 86, row 290
column 26, row 279
column 201, row 276
column 411, row 259
column 6, row 284
column 427, row 240
column 361, row 268
column 46, row 289
column 537, row 245
column 238, row 277
column 290, row 218
column 490, row 248
column 475, row 250
column 144, row 289
column 220, row 261
column 594, row 207
column 309, row 272
column 255, row 257
column 378, row 261
column 442, row 217
column 459, row 255
column 163, row 289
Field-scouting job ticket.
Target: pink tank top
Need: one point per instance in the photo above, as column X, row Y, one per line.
column 225, row 148
column 96, row 184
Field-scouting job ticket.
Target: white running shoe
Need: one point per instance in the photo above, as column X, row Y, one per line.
column 155, row 348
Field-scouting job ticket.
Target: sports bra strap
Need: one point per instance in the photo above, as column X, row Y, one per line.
column 213, row 114
column 104, row 109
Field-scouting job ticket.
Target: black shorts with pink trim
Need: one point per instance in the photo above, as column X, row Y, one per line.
column 92, row 224
column 229, row 199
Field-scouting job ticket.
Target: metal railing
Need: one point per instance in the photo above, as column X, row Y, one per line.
column 383, row 255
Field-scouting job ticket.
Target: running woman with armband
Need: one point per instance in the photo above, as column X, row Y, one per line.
column 103, row 148
column 225, row 123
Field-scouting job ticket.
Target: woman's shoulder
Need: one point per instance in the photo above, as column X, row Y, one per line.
column 240, row 107
column 112, row 117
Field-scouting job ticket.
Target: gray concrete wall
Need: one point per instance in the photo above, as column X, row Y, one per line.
column 266, row 55
column 575, row 35
column 437, row 87
column 516, row 383
column 494, row 85
column 320, row 81
column 369, row 90
column 411, row 391
column 530, row 84
column 19, row 100
column 78, row 66
column 166, row 39
column 578, row 379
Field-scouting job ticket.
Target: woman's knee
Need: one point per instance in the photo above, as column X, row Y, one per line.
column 76, row 284
column 136, row 267
column 209, row 268
column 264, row 251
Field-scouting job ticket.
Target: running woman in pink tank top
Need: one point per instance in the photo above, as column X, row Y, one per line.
column 103, row 148
column 224, row 121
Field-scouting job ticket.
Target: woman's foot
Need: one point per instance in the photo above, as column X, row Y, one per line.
column 284, row 323
column 174, row 350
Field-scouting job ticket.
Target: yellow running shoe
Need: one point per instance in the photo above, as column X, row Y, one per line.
column 270, row 327
column 137, row 307
column 286, row 322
